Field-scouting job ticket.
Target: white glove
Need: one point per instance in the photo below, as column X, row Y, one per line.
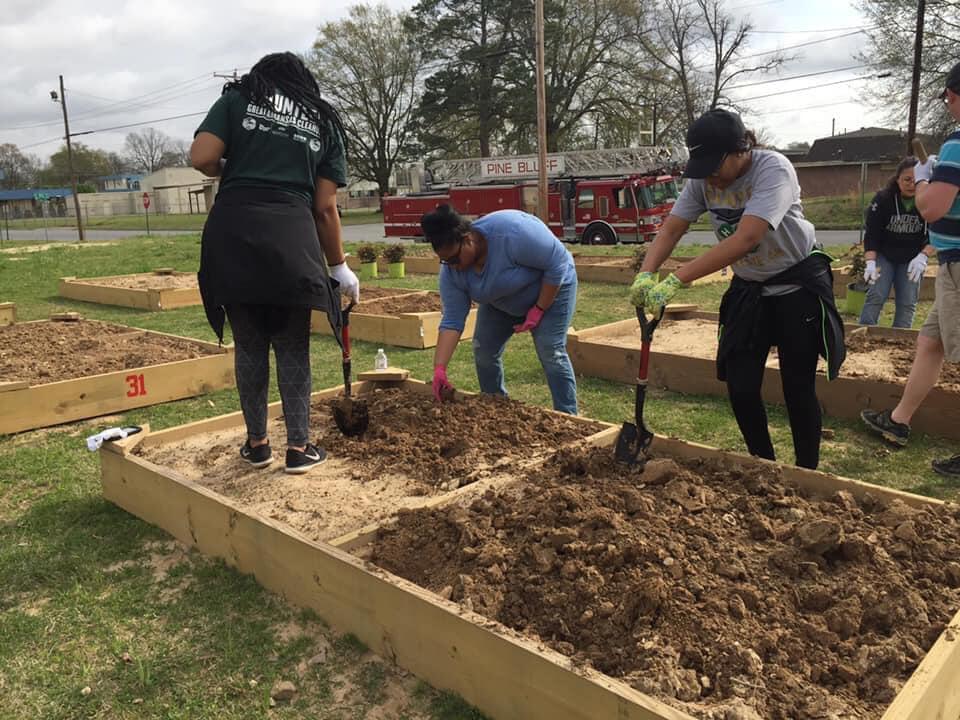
column 924, row 170
column 95, row 441
column 349, row 284
column 917, row 267
column 872, row 272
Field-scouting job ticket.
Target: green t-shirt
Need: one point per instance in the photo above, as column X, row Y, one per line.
column 275, row 147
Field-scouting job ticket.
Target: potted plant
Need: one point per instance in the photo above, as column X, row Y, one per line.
column 368, row 261
column 393, row 254
column 856, row 290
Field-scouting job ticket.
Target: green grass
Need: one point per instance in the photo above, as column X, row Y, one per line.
column 82, row 582
column 163, row 222
column 843, row 212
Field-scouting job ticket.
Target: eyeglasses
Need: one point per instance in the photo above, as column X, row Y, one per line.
column 453, row 259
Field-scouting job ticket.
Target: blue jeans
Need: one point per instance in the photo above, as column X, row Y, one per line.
column 891, row 276
column 495, row 327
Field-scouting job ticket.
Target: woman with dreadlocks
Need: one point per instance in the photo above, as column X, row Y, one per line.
column 279, row 150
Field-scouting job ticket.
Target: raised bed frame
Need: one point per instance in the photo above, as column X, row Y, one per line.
column 503, row 673
column 92, row 291
column 410, row 330
column 841, row 279
column 8, row 313
column 27, row 407
column 845, row 397
column 414, row 264
column 595, row 268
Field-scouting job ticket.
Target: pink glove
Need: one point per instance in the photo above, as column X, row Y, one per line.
column 534, row 316
column 442, row 389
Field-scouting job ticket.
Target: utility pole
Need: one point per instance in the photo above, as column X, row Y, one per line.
column 915, row 84
column 543, row 208
column 73, row 176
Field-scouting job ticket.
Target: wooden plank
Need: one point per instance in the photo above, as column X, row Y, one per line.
column 499, row 671
column 927, row 285
column 66, row 316
column 53, row 403
column 387, row 375
column 10, row 385
column 412, row 330
column 8, row 313
column 153, row 299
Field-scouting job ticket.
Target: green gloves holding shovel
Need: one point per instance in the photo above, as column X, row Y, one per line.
column 654, row 295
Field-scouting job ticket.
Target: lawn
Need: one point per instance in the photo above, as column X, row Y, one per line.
column 843, row 212
column 103, row 616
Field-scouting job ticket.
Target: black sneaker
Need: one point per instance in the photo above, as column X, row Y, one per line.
column 888, row 428
column 949, row 467
column 300, row 462
column 259, row 456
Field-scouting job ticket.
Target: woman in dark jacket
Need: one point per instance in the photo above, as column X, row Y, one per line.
column 895, row 248
column 272, row 243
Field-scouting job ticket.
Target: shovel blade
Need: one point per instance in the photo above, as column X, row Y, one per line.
column 351, row 416
column 632, row 444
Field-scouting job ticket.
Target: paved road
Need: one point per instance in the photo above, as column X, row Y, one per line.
column 368, row 233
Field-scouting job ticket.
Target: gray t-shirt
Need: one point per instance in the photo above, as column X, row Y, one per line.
column 769, row 190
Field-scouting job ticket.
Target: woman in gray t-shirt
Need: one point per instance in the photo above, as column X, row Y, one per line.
column 779, row 295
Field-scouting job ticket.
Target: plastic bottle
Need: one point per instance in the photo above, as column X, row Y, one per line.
column 380, row 361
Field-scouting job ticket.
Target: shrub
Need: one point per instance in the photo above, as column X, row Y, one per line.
column 394, row 253
column 367, row 253
column 858, row 264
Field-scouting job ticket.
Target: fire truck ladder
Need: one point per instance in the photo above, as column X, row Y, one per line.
column 577, row 163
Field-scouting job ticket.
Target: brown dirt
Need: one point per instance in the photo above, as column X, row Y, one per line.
column 413, row 450
column 48, row 351
column 419, row 303
column 147, row 281
column 870, row 357
column 669, row 265
column 707, row 587
column 374, row 292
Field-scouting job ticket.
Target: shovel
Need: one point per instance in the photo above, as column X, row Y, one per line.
column 635, row 438
column 350, row 415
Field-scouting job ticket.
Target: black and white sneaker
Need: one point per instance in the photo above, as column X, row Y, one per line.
column 259, row 456
column 885, row 426
column 300, row 462
column 949, row 467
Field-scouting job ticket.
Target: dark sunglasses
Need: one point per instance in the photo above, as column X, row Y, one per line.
column 453, row 259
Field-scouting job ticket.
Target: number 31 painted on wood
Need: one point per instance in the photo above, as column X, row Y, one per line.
column 136, row 384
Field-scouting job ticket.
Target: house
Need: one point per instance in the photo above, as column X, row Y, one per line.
column 836, row 164
column 179, row 190
column 51, row 202
column 119, row 183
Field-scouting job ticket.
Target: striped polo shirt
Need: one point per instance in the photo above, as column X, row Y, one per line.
column 945, row 232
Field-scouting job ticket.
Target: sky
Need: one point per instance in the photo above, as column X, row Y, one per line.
column 128, row 62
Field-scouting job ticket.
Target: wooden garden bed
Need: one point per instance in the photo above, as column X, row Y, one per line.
column 613, row 352
column 8, row 313
column 505, row 673
column 411, row 318
column 610, row 269
column 841, row 279
column 161, row 289
column 56, row 372
column 414, row 264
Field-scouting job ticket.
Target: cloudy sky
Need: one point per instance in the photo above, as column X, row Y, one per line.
column 128, row 62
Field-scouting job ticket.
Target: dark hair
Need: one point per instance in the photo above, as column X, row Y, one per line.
column 286, row 74
column 893, row 187
column 749, row 141
column 444, row 227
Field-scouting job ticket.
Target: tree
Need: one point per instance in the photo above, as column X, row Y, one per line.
column 178, row 155
column 88, row 164
column 700, row 46
column 369, row 65
column 891, row 27
column 18, row 170
column 148, row 150
column 464, row 103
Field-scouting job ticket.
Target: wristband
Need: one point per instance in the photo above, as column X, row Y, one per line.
column 537, row 306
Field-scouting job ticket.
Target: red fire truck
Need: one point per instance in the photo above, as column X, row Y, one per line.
column 597, row 197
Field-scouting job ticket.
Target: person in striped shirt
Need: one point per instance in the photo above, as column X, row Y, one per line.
column 938, row 199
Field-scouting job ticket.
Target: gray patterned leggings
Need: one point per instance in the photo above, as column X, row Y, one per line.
column 255, row 329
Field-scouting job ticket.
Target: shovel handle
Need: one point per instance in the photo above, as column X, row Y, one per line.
column 646, row 337
column 345, row 338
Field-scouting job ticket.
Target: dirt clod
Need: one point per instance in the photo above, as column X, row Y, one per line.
column 283, row 691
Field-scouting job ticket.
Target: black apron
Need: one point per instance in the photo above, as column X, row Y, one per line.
column 260, row 247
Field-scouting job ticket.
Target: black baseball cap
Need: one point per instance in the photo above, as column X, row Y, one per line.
column 953, row 81
column 713, row 135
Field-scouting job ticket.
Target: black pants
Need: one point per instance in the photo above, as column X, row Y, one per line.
column 793, row 324
column 255, row 329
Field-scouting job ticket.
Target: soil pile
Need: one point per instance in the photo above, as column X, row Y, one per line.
column 898, row 354
column 44, row 352
column 723, row 592
column 148, row 281
column 451, row 443
column 419, row 303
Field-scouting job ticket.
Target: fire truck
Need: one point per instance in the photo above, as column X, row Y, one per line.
column 596, row 197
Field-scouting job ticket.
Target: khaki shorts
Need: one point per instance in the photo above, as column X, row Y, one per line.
column 943, row 322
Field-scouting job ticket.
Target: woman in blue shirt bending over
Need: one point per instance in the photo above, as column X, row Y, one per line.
column 522, row 278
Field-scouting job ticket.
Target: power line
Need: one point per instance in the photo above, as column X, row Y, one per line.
column 797, row 77
column 810, row 32
column 806, row 107
column 808, row 87
column 803, row 44
column 137, row 124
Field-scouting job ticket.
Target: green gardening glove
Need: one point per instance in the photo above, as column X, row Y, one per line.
column 662, row 293
column 641, row 284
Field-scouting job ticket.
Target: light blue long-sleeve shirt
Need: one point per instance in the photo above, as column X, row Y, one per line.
column 522, row 254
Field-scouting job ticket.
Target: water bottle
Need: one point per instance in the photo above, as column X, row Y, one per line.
column 380, row 361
